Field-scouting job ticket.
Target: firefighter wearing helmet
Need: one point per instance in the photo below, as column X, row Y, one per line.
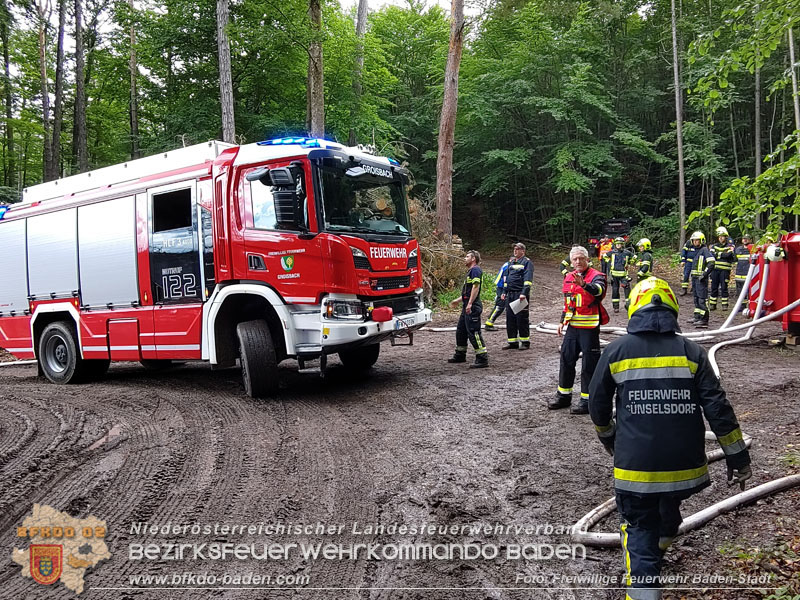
column 687, row 258
column 724, row 257
column 664, row 384
column 742, row 265
column 617, row 262
column 702, row 267
column 644, row 260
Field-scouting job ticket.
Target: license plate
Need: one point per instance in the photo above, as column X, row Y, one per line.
column 404, row 322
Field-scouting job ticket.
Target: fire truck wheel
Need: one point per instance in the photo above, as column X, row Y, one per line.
column 58, row 354
column 361, row 358
column 259, row 362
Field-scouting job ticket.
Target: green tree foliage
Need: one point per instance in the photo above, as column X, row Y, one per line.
column 566, row 109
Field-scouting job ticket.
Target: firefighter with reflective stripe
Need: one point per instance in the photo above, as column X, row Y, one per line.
column 499, row 298
column 584, row 290
column 518, row 287
column 687, row 258
column 605, row 246
column 724, row 256
column 742, row 265
column 644, row 260
column 701, row 268
column 663, row 384
column 617, row 262
column 469, row 323
column 565, row 267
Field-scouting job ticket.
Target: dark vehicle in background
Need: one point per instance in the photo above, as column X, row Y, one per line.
column 610, row 228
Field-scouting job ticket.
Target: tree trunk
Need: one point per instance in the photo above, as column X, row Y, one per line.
column 58, row 106
column 361, row 28
column 43, row 13
column 678, row 129
column 315, row 91
column 795, row 101
column 447, row 125
column 134, row 71
column 225, row 77
column 757, row 131
column 10, row 174
column 733, row 142
column 79, row 142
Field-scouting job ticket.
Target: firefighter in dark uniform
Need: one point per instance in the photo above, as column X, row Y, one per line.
column 687, row 258
column 565, row 266
column 701, row 268
column 469, row 323
column 664, row 384
column 723, row 263
column 518, row 286
column 617, row 262
column 584, row 289
column 742, row 266
column 499, row 298
column 644, row 260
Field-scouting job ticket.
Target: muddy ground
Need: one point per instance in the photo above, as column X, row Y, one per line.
column 416, row 441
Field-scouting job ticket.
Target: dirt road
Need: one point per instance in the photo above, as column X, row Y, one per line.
column 417, row 441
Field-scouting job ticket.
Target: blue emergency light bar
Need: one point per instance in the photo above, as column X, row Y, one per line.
column 287, row 141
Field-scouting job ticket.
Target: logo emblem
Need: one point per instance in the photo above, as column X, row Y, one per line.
column 287, row 262
column 46, row 563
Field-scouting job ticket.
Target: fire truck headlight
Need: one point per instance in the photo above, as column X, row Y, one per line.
column 357, row 252
column 413, row 253
column 344, row 309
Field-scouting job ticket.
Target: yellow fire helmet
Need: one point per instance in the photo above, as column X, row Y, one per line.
column 722, row 231
column 644, row 244
column 652, row 292
column 698, row 235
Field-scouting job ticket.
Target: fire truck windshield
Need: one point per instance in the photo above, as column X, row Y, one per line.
column 363, row 199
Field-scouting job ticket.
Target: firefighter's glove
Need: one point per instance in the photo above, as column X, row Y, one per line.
column 739, row 475
column 608, row 444
column 608, row 436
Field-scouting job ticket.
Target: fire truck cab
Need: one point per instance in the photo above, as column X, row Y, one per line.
column 290, row 248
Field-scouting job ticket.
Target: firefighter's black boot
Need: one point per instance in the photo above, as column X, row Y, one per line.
column 559, row 401
column 481, row 361
column 579, row 408
column 458, row 357
column 683, row 291
column 511, row 346
column 525, row 346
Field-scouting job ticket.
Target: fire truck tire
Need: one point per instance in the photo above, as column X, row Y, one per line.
column 58, row 354
column 258, row 359
column 360, row 359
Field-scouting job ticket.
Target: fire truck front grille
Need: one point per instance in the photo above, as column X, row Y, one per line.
column 412, row 262
column 361, row 262
column 399, row 306
column 390, row 283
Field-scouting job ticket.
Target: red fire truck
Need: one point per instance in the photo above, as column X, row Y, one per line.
column 290, row 248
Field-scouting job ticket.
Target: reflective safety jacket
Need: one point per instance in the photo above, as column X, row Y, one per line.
column 565, row 266
column 500, row 280
column 582, row 305
column 520, row 276
column 742, row 261
column 724, row 256
column 645, row 264
column 688, row 252
column 703, row 263
column 618, row 261
column 605, row 247
column 664, row 385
